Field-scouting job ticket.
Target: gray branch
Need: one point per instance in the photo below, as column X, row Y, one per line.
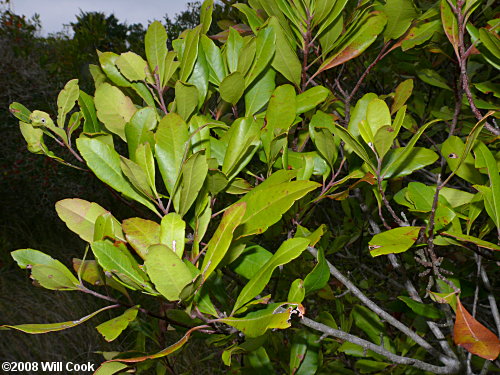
column 451, row 366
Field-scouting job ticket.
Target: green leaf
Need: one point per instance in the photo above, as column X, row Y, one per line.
column 320, row 131
column 319, row 276
column 310, row 98
column 464, row 238
column 377, row 116
column 288, row 251
column 108, row 65
column 243, row 139
column 20, row 112
column 222, row 238
column 393, row 241
column 401, row 95
column 106, row 226
column 234, row 45
column 132, row 66
column 112, row 328
column 171, row 137
column 34, row 138
column 66, row 101
column 256, row 323
column 370, row 323
column 190, row 53
column 420, row 34
column 114, row 109
column 357, row 43
column 450, row 25
column 280, row 113
column 90, row 272
column 304, row 353
column 104, row 161
column 54, row 276
column 400, row 14
column 452, row 149
column 422, row 309
column 173, row 233
column 247, row 55
column 110, row 368
column 206, row 10
column 53, row 327
column 212, row 53
column 80, row 217
column 193, row 174
column 232, row 87
column 353, row 143
column 91, row 123
column 366, row 366
column 492, row 195
column 433, row 78
column 116, row 261
column 139, row 130
column 141, row 234
column 266, row 205
column 259, row 92
column 250, row 261
column 29, row 257
column 285, row 59
column 137, row 177
column 145, row 159
column 266, row 46
column 156, row 50
column 167, row 271
column 297, row 292
column 186, row 99
column 401, row 156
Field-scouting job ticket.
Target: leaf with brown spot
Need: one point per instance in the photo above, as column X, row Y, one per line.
column 473, row 336
column 450, row 24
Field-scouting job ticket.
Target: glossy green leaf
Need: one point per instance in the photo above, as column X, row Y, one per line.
column 251, row 260
column 464, row 238
column 311, row 98
column 139, row 129
column 222, row 238
column 132, row 66
column 141, row 234
column 114, row 109
column 53, row 327
column 66, row 101
column 304, row 353
column 108, row 65
column 234, row 45
column 206, row 10
column 288, row 251
column 80, row 217
column 452, row 149
column 137, row 176
column 193, row 174
column 243, row 138
column 190, row 53
column 450, row 24
column 319, row 276
column 280, row 113
column 401, row 95
column 297, row 292
column 110, row 368
column 213, row 56
column 167, row 271
column 106, row 226
column 91, row 123
column 259, row 92
column 400, row 14
column 112, row 328
column 393, row 241
column 186, row 99
column 232, row 87
column 420, row 34
column 114, row 260
column 104, row 161
column 353, row 143
column 355, row 45
column 20, row 112
column 256, row 323
column 422, row 309
column 372, row 325
column 173, row 233
column 90, row 272
column 265, row 49
column 433, row 78
column 266, row 205
column 320, row 130
column 171, row 137
column 285, row 59
column 156, row 49
column 29, row 257
column 491, row 195
column 54, row 276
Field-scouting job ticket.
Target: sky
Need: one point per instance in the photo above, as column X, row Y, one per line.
column 55, row 13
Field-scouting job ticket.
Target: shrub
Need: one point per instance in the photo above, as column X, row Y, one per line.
column 290, row 225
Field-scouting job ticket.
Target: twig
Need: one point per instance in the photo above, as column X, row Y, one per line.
column 450, row 366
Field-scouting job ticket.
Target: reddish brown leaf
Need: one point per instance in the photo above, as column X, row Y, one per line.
column 473, row 336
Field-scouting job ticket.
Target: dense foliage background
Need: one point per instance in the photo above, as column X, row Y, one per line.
column 383, row 112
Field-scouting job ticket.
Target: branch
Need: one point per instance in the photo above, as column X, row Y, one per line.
column 451, row 366
column 377, row 310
